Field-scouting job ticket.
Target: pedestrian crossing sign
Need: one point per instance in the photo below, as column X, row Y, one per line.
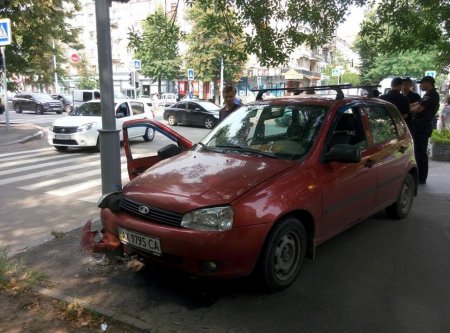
column 5, row 32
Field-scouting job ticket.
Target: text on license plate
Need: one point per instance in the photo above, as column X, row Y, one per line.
column 148, row 243
column 62, row 136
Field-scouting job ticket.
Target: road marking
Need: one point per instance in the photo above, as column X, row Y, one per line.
column 55, row 181
column 25, row 152
column 35, row 160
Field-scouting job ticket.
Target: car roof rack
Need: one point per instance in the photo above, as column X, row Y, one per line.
column 372, row 90
column 337, row 87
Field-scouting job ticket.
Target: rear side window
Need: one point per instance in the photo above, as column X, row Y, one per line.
column 382, row 124
column 87, row 96
column 138, row 108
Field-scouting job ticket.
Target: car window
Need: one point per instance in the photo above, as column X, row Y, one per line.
column 181, row 105
column 286, row 132
column 88, row 109
column 348, row 128
column 381, row 124
column 138, row 108
column 192, row 106
column 122, row 110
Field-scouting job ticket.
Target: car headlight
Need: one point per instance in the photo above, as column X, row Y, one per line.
column 209, row 219
column 110, row 200
column 50, row 128
column 85, row 127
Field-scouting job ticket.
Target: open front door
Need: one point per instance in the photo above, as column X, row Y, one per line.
column 156, row 142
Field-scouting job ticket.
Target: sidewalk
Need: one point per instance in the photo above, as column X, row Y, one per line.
column 19, row 133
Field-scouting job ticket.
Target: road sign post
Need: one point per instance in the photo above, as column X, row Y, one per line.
column 5, row 39
column 431, row 73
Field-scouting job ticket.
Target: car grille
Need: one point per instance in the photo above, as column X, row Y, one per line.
column 65, row 130
column 55, row 104
column 65, row 142
column 154, row 214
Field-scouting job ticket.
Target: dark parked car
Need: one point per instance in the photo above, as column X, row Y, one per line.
column 192, row 112
column 36, row 102
column 257, row 196
column 66, row 100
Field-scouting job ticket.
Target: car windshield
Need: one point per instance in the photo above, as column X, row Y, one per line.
column 42, row 97
column 282, row 132
column 208, row 106
column 88, row 110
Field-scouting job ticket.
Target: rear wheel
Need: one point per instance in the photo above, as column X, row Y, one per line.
column 39, row 109
column 97, row 145
column 67, row 108
column 61, row 148
column 402, row 206
column 149, row 134
column 171, row 120
column 18, row 108
column 282, row 255
column 208, row 123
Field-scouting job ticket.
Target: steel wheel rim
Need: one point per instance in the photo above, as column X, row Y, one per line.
column 171, row 119
column 405, row 197
column 286, row 256
column 150, row 133
column 208, row 123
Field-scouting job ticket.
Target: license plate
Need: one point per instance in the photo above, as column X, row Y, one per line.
column 148, row 243
column 63, row 136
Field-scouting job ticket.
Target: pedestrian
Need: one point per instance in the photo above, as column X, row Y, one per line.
column 228, row 93
column 395, row 97
column 408, row 92
column 445, row 115
column 424, row 112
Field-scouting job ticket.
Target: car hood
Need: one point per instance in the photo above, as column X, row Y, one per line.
column 198, row 179
column 76, row 121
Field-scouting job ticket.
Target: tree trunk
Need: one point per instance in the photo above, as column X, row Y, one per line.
column 216, row 92
column 159, row 86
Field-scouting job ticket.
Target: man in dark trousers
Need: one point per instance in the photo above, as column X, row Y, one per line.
column 228, row 93
column 424, row 112
column 395, row 97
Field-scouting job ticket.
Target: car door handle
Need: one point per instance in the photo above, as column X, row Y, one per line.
column 369, row 163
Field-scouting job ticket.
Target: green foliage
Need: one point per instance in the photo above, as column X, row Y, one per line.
column 157, row 47
column 85, row 80
column 441, row 136
column 402, row 26
column 35, row 24
column 216, row 34
column 349, row 76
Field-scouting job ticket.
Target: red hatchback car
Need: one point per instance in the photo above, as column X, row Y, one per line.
column 271, row 182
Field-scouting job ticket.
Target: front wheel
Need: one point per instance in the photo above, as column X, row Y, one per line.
column 208, row 123
column 18, row 109
column 61, row 148
column 282, row 255
column 67, row 108
column 172, row 120
column 149, row 134
column 39, row 109
column 402, row 206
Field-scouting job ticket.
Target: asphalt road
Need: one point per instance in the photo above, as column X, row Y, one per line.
column 381, row 275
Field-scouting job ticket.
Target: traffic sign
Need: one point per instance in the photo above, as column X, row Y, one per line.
column 430, row 73
column 336, row 72
column 5, row 32
column 137, row 64
column 190, row 74
column 75, row 58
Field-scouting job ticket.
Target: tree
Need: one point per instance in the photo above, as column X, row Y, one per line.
column 401, row 26
column 350, row 74
column 85, row 80
column 36, row 26
column 216, row 34
column 157, row 47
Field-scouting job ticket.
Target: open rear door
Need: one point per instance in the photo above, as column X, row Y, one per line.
column 154, row 143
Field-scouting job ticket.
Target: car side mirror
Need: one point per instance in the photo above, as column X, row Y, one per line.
column 169, row 151
column 343, row 153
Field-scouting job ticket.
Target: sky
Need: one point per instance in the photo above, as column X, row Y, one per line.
column 350, row 28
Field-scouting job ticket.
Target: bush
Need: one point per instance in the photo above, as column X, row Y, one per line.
column 442, row 136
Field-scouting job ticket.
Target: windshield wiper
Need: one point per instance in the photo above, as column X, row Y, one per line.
column 246, row 149
column 208, row 148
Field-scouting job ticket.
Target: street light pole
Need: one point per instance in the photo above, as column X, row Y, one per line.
column 221, row 81
column 5, row 88
column 54, row 66
column 109, row 135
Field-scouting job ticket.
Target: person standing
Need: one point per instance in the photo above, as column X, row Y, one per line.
column 228, row 93
column 424, row 112
column 407, row 91
column 395, row 97
column 445, row 115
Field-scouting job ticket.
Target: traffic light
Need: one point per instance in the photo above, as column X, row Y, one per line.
column 131, row 78
column 136, row 84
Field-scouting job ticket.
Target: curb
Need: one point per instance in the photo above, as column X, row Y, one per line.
column 38, row 135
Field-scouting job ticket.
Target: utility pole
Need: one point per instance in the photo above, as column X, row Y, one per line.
column 5, row 87
column 221, row 81
column 54, row 66
column 109, row 135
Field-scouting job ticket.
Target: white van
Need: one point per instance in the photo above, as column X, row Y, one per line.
column 386, row 85
column 82, row 96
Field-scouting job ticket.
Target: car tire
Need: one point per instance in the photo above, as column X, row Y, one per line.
column 97, row 145
column 61, row 148
column 209, row 123
column 18, row 108
column 67, row 108
column 171, row 120
column 39, row 109
column 402, row 206
column 149, row 134
column 59, row 112
column 282, row 256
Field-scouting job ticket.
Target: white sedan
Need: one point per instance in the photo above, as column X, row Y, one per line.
column 80, row 127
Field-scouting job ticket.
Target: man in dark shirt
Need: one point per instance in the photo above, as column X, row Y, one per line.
column 407, row 91
column 395, row 97
column 424, row 112
column 228, row 93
